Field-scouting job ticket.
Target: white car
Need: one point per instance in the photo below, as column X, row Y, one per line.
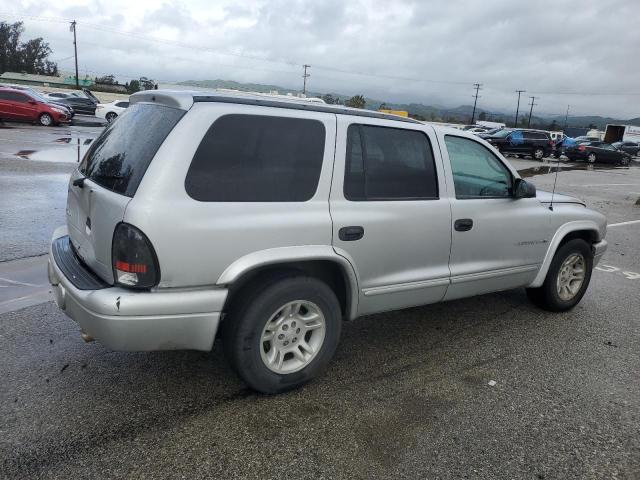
column 110, row 111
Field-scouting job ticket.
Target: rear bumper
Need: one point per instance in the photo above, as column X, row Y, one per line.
column 129, row 320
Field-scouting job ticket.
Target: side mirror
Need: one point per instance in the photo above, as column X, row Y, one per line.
column 523, row 189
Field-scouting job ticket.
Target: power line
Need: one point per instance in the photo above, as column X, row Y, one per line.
column 533, row 99
column 475, row 102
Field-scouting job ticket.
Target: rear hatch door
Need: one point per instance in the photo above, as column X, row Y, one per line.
column 108, row 177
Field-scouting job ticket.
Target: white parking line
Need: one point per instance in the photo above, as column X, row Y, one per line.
column 607, row 185
column 623, row 223
column 15, row 282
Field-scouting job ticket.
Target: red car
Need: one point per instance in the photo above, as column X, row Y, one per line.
column 19, row 105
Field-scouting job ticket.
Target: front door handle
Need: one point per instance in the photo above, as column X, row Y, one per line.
column 349, row 234
column 463, row 224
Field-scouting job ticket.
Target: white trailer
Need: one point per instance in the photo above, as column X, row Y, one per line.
column 622, row 133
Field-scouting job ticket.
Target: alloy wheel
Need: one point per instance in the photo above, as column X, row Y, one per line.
column 45, row 119
column 571, row 276
column 292, row 337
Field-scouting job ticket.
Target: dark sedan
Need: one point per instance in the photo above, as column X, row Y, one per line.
column 632, row 148
column 81, row 103
column 593, row 152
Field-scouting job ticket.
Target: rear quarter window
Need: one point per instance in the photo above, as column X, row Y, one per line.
column 255, row 158
column 119, row 157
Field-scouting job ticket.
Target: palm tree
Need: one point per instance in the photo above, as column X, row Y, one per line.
column 357, row 101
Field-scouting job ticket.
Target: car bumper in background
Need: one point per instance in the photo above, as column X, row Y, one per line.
column 129, row 320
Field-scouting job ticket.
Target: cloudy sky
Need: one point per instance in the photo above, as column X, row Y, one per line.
column 578, row 52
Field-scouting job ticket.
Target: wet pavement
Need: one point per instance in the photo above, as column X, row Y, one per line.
column 66, row 144
column 35, row 163
column 487, row 387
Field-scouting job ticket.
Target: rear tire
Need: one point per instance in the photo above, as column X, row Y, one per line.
column 591, row 158
column 562, row 289
column 45, row 120
column 111, row 116
column 283, row 335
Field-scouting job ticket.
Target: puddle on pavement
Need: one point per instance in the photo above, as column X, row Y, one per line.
column 553, row 167
column 67, row 150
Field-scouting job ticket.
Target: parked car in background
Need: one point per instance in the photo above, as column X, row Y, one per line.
column 41, row 97
column 536, row 143
column 597, row 151
column 83, row 103
column 490, row 132
column 110, row 111
column 632, row 148
column 273, row 221
column 586, row 139
column 22, row 106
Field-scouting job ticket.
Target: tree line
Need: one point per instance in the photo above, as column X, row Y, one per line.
column 30, row 56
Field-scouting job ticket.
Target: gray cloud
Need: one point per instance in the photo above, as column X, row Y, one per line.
column 551, row 49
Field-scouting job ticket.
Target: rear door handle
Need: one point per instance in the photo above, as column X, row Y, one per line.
column 349, row 234
column 463, row 224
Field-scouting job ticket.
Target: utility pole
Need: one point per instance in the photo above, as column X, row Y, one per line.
column 305, row 75
column 533, row 99
column 519, row 92
column 72, row 28
column 475, row 102
column 566, row 117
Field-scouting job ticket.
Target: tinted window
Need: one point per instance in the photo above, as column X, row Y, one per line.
column 477, row 172
column 122, row 104
column 119, row 157
column 388, row 164
column 13, row 96
column 253, row 158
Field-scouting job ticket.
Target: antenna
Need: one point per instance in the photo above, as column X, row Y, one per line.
column 555, row 180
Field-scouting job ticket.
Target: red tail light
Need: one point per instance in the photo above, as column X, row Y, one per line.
column 581, row 148
column 134, row 261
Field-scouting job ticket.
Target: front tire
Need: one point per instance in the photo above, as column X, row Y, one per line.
column 111, row 116
column 591, row 158
column 45, row 120
column 284, row 335
column 538, row 154
column 567, row 279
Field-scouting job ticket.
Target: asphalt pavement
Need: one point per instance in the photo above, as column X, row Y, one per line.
column 487, row 387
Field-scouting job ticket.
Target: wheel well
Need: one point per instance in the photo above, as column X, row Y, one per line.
column 329, row 272
column 589, row 236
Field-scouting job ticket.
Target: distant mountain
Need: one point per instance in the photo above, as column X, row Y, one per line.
column 461, row 114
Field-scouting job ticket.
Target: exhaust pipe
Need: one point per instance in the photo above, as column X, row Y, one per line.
column 86, row 337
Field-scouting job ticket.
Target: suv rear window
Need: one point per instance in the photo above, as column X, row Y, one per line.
column 255, row 158
column 119, row 157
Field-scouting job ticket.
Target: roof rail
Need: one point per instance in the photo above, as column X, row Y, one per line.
column 292, row 105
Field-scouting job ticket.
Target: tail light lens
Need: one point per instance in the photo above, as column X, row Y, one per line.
column 134, row 261
column 581, row 148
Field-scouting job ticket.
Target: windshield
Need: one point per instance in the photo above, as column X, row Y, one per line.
column 502, row 133
column 119, row 157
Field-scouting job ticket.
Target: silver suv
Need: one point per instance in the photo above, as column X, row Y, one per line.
column 272, row 221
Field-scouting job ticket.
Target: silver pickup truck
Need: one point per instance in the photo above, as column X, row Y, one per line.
column 269, row 222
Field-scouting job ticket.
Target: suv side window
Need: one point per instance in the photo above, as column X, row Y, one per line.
column 256, row 158
column 384, row 163
column 477, row 172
